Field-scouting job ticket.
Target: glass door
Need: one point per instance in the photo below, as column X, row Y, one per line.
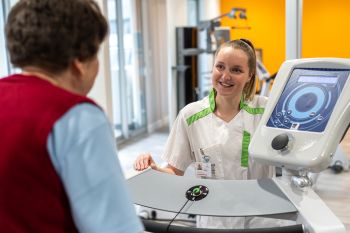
column 127, row 67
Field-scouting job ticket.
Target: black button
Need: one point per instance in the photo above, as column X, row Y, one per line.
column 197, row 193
column 280, row 142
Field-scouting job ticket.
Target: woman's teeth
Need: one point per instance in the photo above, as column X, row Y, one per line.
column 226, row 84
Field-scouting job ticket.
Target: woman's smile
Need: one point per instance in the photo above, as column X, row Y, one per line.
column 226, row 84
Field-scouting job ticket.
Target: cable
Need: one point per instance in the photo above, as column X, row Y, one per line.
column 176, row 220
column 167, row 229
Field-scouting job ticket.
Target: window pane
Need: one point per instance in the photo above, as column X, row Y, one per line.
column 127, row 65
column 114, row 65
column 3, row 58
column 5, row 66
column 134, row 64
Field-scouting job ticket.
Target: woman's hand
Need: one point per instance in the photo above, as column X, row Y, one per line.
column 144, row 161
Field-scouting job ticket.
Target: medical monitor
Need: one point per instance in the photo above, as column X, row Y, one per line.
column 308, row 99
column 307, row 114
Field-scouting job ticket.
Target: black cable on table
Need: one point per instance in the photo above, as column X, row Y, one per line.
column 167, row 229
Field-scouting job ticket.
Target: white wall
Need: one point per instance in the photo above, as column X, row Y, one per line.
column 160, row 18
column 209, row 9
column 154, row 26
column 177, row 17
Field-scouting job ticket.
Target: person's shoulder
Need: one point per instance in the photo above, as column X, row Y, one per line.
column 84, row 116
column 80, row 123
column 195, row 107
column 258, row 101
column 87, row 110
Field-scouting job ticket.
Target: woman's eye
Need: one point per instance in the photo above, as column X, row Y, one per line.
column 220, row 67
column 236, row 70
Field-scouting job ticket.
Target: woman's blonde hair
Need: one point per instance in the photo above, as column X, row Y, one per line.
column 247, row 47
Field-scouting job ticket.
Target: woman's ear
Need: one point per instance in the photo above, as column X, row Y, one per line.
column 250, row 78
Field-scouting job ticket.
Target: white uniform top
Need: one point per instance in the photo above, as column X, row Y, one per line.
column 199, row 136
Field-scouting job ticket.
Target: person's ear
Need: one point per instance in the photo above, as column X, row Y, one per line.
column 78, row 67
column 250, row 78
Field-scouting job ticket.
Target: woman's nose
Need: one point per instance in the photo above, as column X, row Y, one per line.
column 226, row 75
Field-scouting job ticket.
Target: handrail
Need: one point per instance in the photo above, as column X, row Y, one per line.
column 156, row 227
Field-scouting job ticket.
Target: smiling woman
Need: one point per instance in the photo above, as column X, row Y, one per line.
column 233, row 76
column 243, row 62
column 215, row 132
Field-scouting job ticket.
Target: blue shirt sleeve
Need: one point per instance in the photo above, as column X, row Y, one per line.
column 82, row 149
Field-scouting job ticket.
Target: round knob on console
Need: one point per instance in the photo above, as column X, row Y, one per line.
column 197, row 193
column 280, row 142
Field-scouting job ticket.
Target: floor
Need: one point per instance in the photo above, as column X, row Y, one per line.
column 334, row 189
column 152, row 144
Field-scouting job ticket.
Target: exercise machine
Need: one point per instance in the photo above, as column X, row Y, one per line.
column 340, row 161
column 305, row 119
column 307, row 113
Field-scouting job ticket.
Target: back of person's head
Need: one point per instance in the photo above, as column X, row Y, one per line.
column 248, row 48
column 50, row 34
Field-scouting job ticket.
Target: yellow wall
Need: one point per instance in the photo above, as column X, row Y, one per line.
column 326, row 28
column 267, row 21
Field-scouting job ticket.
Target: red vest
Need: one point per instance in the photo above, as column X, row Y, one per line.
column 32, row 197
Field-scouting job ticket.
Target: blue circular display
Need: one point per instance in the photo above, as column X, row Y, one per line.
column 305, row 102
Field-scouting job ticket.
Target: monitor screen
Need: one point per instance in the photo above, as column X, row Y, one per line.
column 318, row 79
column 308, row 99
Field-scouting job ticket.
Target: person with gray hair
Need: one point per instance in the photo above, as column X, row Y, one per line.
column 59, row 170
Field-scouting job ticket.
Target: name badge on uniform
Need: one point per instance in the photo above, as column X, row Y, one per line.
column 204, row 169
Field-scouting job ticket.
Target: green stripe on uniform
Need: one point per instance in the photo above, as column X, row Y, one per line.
column 212, row 106
column 253, row 111
column 245, row 144
column 205, row 111
column 212, row 100
column 198, row 115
